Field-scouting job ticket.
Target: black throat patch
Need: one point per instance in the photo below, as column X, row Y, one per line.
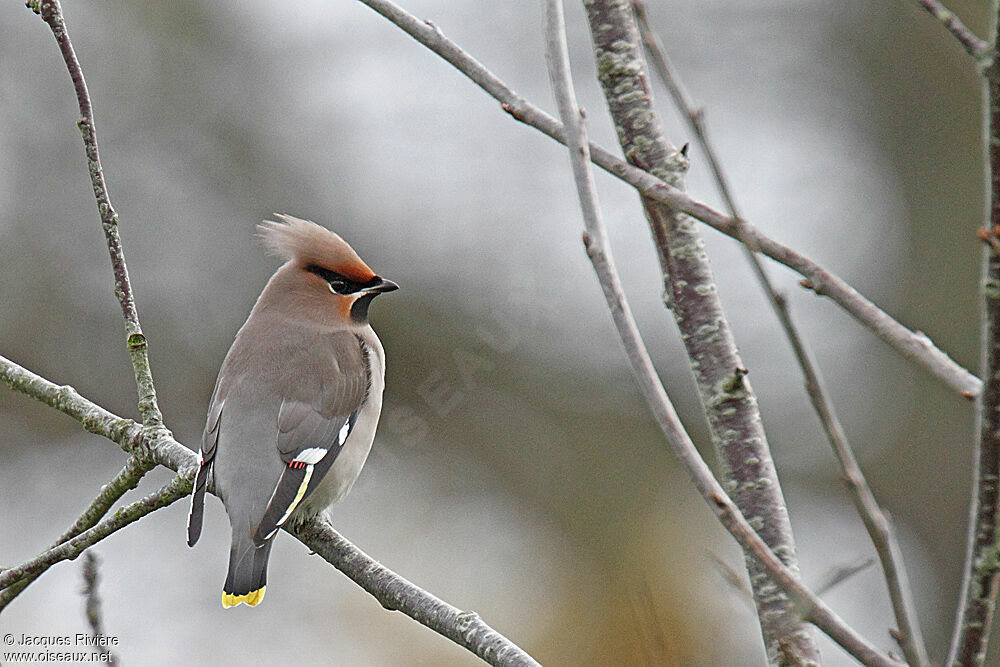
column 359, row 310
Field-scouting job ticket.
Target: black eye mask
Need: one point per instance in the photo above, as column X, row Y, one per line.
column 339, row 283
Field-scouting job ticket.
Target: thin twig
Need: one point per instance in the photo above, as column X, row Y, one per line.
column 179, row 487
column 736, row 580
column 91, row 577
column 464, row 628
column 842, row 573
column 875, row 521
column 126, row 480
column 912, row 345
column 695, row 117
column 51, row 13
column 975, row 47
column 981, row 576
column 807, row 604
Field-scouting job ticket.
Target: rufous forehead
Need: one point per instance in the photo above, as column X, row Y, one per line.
column 357, row 271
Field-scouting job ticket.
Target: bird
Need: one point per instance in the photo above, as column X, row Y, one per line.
column 297, row 401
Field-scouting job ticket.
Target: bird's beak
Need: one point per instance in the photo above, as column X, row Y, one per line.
column 380, row 285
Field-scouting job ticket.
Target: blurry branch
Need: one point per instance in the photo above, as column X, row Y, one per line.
column 834, row 578
column 727, row 398
column 157, row 444
column 981, row 577
column 653, row 640
column 842, row 573
column 877, row 524
column 733, row 578
column 975, row 47
column 913, row 345
column 91, row 576
column 806, row 603
column 126, row 480
column 51, row 13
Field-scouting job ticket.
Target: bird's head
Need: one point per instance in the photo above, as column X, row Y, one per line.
column 324, row 267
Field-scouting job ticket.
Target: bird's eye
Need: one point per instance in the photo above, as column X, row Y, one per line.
column 338, row 286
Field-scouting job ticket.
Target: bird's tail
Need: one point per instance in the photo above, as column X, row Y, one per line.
column 247, row 578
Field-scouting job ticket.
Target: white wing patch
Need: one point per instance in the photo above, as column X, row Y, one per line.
column 298, row 496
column 307, row 458
column 311, row 456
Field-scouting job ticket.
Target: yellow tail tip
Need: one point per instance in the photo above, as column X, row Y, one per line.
column 252, row 598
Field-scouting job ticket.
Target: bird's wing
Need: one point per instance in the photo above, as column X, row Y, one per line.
column 319, row 408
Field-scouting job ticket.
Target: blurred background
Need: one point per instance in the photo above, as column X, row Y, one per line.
column 517, row 471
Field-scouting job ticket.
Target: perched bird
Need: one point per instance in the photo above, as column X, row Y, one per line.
column 294, row 411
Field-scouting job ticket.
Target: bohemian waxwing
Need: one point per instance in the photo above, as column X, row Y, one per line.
column 298, row 397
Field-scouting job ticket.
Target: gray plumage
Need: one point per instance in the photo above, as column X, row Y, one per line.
column 296, row 402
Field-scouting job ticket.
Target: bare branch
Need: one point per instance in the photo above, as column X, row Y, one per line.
column 975, row 47
column 179, row 487
column 51, row 13
column 395, row 593
column 126, row 480
column 912, row 345
column 595, row 240
column 981, row 578
column 155, row 444
column 464, row 628
column 875, row 521
column 727, row 398
column 695, row 117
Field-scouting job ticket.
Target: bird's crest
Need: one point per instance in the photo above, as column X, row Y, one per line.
column 307, row 243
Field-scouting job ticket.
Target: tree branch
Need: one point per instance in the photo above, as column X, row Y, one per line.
column 727, row 398
column 876, row 522
column 464, row 628
column 912, row 345
column 51, row 13
column 126, row 480
column 395, row 593
column 981, row 579
column 179, row 487
column 154, row 444
column 975, row 47
column 595, row 240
